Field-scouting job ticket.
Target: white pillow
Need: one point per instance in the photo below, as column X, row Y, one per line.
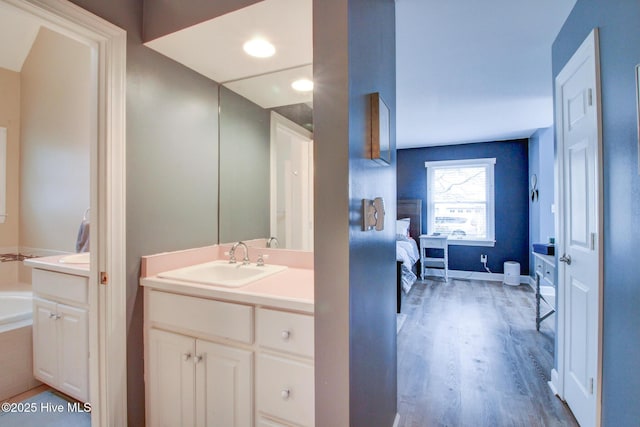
column 402, row 226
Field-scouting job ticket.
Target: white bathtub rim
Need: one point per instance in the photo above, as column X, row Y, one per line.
column 19, row 320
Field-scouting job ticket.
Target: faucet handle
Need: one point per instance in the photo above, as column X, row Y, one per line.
column 232, row 257
column 260, row 261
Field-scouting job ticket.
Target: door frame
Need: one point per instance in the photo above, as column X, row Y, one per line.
column 590, row 46
column 107, row 303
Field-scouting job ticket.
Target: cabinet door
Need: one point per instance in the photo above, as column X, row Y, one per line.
column 224, row 386
column 73, row 341
column 45, row 341
column 170, row 380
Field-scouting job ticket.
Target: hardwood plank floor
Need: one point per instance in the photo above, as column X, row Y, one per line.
column 469, row 355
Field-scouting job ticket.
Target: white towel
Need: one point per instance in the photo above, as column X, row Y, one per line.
column 82, row 242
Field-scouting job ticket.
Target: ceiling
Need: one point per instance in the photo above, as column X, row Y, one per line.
column 471, row 71
column 214, row 49
column 21, row 30
column 467, row 71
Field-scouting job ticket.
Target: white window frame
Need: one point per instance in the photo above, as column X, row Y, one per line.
column 489, row 165
column 3, row 174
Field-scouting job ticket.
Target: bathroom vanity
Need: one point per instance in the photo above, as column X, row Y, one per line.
column 235, row 355
column 61, row 324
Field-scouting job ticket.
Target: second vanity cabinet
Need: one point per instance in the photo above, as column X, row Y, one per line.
column 61, row 332
column 210, row 362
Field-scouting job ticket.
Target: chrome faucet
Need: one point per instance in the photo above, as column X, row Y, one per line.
column 232, row 253
column 272, row 242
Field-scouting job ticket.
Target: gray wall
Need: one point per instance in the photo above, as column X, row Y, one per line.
column 172, row 176
column 354, row 55
column 619, row 54
column 56, row 128
column 244, row 168
column 162, row 17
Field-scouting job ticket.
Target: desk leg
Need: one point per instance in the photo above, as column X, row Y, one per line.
column 538, row 320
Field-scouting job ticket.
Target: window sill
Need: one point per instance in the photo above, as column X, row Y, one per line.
column 461, row 242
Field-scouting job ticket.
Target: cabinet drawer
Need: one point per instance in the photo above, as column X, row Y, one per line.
column 290, row 332
column 60, row 285
column 209, row 317
column 285, row 389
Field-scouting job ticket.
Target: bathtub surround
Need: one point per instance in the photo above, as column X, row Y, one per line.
column 16, row 361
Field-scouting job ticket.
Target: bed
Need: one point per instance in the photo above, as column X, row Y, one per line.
column 408, row 230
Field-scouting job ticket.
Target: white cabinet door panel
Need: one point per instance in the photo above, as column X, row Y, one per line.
column 170, row 380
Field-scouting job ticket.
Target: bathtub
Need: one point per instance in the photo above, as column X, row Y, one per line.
column 16, row 346
column 16, row 310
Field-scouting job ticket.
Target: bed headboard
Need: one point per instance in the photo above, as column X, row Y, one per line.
column 411, row 208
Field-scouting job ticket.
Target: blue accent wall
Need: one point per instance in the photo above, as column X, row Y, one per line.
column 511, row 199
column 619, row 53
column 541, row 163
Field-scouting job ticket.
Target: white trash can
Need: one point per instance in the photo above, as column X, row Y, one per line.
column 511, row 273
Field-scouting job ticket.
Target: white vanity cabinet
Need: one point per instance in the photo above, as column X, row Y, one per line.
column 61, row 332
column 285, row 372
column 210, row 362
column 193, row 382
column 198, row 361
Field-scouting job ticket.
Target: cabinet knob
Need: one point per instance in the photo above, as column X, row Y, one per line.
column 186, row 356
column 285, row 334
column 52, row 315
column 285, row 394
column 197, row 359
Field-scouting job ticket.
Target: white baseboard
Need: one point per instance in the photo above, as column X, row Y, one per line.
column 473, row 275
column 396, row 421
column 553, row 384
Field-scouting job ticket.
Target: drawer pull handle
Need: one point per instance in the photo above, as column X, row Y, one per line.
column 285, row 334
column 186, row 357
column 285, row 394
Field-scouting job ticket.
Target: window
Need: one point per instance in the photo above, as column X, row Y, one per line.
column 460, row 200
column 3, row 174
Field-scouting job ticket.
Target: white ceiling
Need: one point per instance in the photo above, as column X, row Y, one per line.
column 467, row 71
column 214, row 49
column 470, row 71
column 17, row 32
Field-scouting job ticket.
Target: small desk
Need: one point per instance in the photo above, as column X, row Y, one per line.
column 429, row 241
column 545, row 272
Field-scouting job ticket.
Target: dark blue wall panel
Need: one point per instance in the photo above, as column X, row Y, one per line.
column 511, row 198
column 619, row 53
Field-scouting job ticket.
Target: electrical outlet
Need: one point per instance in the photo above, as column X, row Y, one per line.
column 483, row 258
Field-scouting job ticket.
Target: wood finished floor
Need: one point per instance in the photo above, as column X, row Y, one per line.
column 469, row 355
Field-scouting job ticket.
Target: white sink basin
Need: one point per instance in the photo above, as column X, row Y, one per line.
column 221, row 273
column 81, row 258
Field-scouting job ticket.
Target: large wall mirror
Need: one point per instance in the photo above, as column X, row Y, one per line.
column 261, row 56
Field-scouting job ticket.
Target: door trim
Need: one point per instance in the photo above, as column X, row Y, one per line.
column 590, row 46
column 107, row 304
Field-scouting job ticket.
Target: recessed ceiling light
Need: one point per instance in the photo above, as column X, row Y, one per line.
column 260, row 48
column 303, row 85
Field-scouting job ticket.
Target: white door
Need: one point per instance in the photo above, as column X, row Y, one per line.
column 73, row 341
column 45, row 341
column 224, row 393
column 579, row 267
column 291, row 184
column 170, row 378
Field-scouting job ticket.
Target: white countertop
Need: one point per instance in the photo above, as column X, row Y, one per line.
column 52, row 263
column 291, row 289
